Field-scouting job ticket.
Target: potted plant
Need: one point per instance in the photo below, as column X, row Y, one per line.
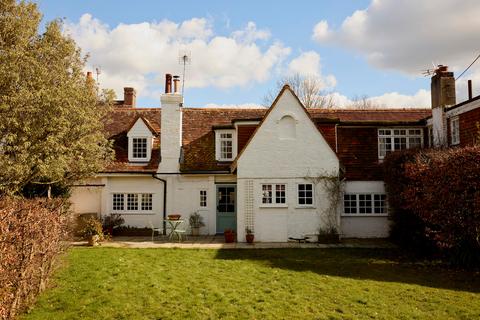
column 92, row 231
column 111, row 222
column 249, row 235
column 229, row 235
column 196, row 222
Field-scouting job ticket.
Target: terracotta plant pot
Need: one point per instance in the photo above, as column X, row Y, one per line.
column 174, row 216
column 250, row 237
column 93, row 240
column 195, row 231
column 229, row 237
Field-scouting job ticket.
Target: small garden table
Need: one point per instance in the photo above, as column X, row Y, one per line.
column 174, row 231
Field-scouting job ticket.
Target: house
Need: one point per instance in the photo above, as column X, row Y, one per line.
column 264, row 169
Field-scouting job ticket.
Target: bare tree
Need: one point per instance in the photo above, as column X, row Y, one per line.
column 363, row 102
column 309, row 90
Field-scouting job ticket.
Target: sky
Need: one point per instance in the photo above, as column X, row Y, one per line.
column 240, row 49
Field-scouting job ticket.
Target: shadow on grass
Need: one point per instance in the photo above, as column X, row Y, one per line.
column 387, row 265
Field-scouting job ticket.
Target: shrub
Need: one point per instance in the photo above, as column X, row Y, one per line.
column 92, row 226
column 32, row 234
column 435, row 198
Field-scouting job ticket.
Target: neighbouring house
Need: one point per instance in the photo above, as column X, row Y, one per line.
column 260, row 168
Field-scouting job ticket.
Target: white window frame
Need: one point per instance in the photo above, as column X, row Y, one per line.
column 455, row 130
column 275, row 187
column 312, row 205
column 372, row 204
column 203, row 194
column 139, row 209
column 218, row 144
column 381, row 134
column 149, row 142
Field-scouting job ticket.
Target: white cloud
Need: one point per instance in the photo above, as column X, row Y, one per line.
column 409, row 36
column 309, row 64
column 321, row 31
column 140, row 54
column 388, row 100
column 250, row 34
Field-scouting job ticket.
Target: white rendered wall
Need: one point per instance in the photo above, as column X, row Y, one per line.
column 87, row 199
column 287, row 157
column 135, row 184
column 365, row 226
column 183, row 197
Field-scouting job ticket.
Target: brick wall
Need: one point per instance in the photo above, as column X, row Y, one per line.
column 468, row 127
column 358, row 153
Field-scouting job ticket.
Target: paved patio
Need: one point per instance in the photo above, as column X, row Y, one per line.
column 218, row 242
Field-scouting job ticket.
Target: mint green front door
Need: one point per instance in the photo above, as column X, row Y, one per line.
column 226, row 207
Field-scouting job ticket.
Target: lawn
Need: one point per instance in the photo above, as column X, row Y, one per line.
column 108, row 283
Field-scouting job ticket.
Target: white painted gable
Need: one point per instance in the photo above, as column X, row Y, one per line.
column 139, row 129
column 287, row 145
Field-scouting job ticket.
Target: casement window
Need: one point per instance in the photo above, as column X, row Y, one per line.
column 364, row 204
column 305, row 194
column 203, row 198
column 455, row 130
column 390, row 140
column 225, row 145
column 132, row 202
column 139, row 148
column 274, row 194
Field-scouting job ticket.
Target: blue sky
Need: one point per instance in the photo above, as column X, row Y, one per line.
column 350, row 58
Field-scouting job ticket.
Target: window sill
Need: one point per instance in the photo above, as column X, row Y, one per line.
column 136, row 213
column 274, row 206
column 305, row 207
column 146, row 160
column 365, row 215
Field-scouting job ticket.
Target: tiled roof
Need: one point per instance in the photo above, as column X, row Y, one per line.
column 199, row 138
column 117, row 124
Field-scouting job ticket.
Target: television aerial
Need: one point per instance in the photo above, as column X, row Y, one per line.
column 184, row 58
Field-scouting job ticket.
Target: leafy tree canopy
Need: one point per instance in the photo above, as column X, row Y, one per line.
column 51, row 128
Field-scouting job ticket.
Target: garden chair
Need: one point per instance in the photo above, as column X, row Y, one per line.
column 155, row 229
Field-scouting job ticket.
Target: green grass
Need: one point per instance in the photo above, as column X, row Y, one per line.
column 107, row 283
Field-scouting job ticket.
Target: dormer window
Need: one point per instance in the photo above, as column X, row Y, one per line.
column 140, row 141
column 225, row 145
column 139, row 148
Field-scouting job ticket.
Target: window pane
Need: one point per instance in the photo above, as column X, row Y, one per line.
column 203, row 198
column 350, row 203
column 280, row 193
column 305, row 194
column 379, row 203
column 267, row 193
column 147, row 202
column 365, row 203
column 118, row 201
column 139, row 148
column 132, row 202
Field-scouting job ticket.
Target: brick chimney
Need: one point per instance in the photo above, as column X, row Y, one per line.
column 443, row 95
column 171, row 129
column 129, row 97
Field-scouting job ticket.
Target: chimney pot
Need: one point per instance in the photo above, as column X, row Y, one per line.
column 129, row 97
column 168, row 83
column 176, row 79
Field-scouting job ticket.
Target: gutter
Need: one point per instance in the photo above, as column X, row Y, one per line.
column 154, row 176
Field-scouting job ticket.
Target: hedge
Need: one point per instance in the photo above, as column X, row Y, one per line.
column 434, row 196
column 32, row 235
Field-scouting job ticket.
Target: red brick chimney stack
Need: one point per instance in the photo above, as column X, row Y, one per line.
column 129, row 97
